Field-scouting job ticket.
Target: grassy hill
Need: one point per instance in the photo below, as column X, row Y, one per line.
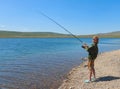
column 13, row 34
column 115, row 34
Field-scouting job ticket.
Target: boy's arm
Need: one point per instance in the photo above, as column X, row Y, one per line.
column 85, row 46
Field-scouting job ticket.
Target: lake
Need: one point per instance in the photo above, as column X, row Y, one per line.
column 42, row 63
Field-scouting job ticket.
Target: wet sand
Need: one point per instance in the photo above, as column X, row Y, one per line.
column 107, row 66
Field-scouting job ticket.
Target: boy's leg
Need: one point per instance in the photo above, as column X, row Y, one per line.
column 90, row 75
column 94, row 73
column 91, row 69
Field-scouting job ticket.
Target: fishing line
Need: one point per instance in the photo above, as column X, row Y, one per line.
column 61, row 27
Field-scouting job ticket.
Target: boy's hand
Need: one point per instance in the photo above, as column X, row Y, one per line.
column 84, row 46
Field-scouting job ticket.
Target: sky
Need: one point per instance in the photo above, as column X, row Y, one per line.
column 78, row 16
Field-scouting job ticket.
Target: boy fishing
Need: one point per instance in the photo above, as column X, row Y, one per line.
column 92, row 54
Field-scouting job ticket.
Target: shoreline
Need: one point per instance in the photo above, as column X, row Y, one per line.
column 107, row 73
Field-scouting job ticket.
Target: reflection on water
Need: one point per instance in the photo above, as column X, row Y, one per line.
column 41, row 63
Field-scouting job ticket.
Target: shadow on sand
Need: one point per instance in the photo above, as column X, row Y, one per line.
column 107, row 78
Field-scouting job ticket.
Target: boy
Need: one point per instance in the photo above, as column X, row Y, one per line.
column 92, row 54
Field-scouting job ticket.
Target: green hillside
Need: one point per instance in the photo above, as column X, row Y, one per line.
column 13, row 34
column 115, row 34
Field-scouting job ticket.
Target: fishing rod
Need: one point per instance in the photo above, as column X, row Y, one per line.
column 61, row 27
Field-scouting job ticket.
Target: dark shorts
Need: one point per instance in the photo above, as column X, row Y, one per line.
column 90, row 64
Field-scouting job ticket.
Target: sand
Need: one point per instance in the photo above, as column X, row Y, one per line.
column 107, row 66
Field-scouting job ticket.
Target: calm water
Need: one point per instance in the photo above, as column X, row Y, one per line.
column 36, row 63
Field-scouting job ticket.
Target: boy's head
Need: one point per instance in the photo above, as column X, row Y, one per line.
column 95, row 39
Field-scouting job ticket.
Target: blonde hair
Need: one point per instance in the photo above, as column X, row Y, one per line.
column 96, row 37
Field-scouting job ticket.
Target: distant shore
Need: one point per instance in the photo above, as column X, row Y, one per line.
column 15, row 34
column 107, row 67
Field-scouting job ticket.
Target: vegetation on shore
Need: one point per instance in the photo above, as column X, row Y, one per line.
column 13, row 34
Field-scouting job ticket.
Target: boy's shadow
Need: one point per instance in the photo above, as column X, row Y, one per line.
column 107, row 78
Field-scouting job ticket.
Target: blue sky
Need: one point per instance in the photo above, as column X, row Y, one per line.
column 78, row 16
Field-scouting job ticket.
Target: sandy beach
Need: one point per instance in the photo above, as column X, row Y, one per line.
column 107, row 66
